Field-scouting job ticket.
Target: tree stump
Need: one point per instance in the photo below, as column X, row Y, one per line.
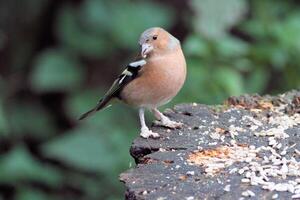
column 248, row 148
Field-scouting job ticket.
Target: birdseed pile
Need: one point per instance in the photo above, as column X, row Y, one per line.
column 249, row 148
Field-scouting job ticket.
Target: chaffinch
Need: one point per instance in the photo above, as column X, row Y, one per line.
column 151, row 81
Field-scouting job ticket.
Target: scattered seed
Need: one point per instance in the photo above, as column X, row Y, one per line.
column 275, row 196
column 191, row 173
column 281, row 187
column 297, row 152
column 189, row 198
column 245, row 180
column 227, row 188
column 248, row 193
column 296, row 196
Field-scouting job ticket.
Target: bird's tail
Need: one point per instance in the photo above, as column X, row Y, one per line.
column 101, row 104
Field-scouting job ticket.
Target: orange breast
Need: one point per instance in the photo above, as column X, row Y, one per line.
column 159, row 81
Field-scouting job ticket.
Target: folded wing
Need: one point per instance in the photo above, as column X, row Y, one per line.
column 130, row 73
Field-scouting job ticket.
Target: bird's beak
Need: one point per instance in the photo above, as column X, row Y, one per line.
column 146, row 49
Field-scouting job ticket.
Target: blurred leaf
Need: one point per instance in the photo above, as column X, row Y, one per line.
column 95, row 15
column 194, row 45
column 287, row 32
column 292, row 76
column 93, row 187
column 229, row 80
column 137, row 17
column 231, row 47
column 90, row 30
column 82, row 101
column 76, row 39
column 214, row 18
column 105, row 185
column 30, row 119
column 262, row 53
column 279, row 58
column 256, row 81
column 243, row 64
column 56, row 71
column 255, row 28
column 84, row 148
column 19, row 165
column 31, row 194
column 195, row 87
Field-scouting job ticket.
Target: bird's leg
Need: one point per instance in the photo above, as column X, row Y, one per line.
column 164, row 120
column 145, row 132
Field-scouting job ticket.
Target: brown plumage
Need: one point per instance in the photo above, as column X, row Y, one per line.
column 158, row 82
column 151, row 82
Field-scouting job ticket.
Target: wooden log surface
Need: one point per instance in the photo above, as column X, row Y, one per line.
column 248, row 148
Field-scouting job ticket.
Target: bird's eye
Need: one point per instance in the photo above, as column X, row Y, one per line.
column 154, row 37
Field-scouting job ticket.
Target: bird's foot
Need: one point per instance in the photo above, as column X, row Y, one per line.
column 146, row 133
column 166, row 122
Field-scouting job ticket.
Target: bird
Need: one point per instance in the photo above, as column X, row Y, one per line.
column 152, row 80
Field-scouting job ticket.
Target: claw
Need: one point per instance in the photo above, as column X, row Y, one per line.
column 146, row 133
column 168, row 123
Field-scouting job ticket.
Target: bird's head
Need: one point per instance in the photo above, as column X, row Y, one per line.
column 157, row 40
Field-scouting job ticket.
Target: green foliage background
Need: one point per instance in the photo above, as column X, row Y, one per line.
column 58, row 57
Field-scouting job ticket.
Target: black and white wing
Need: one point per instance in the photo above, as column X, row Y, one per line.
column 127, row 75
